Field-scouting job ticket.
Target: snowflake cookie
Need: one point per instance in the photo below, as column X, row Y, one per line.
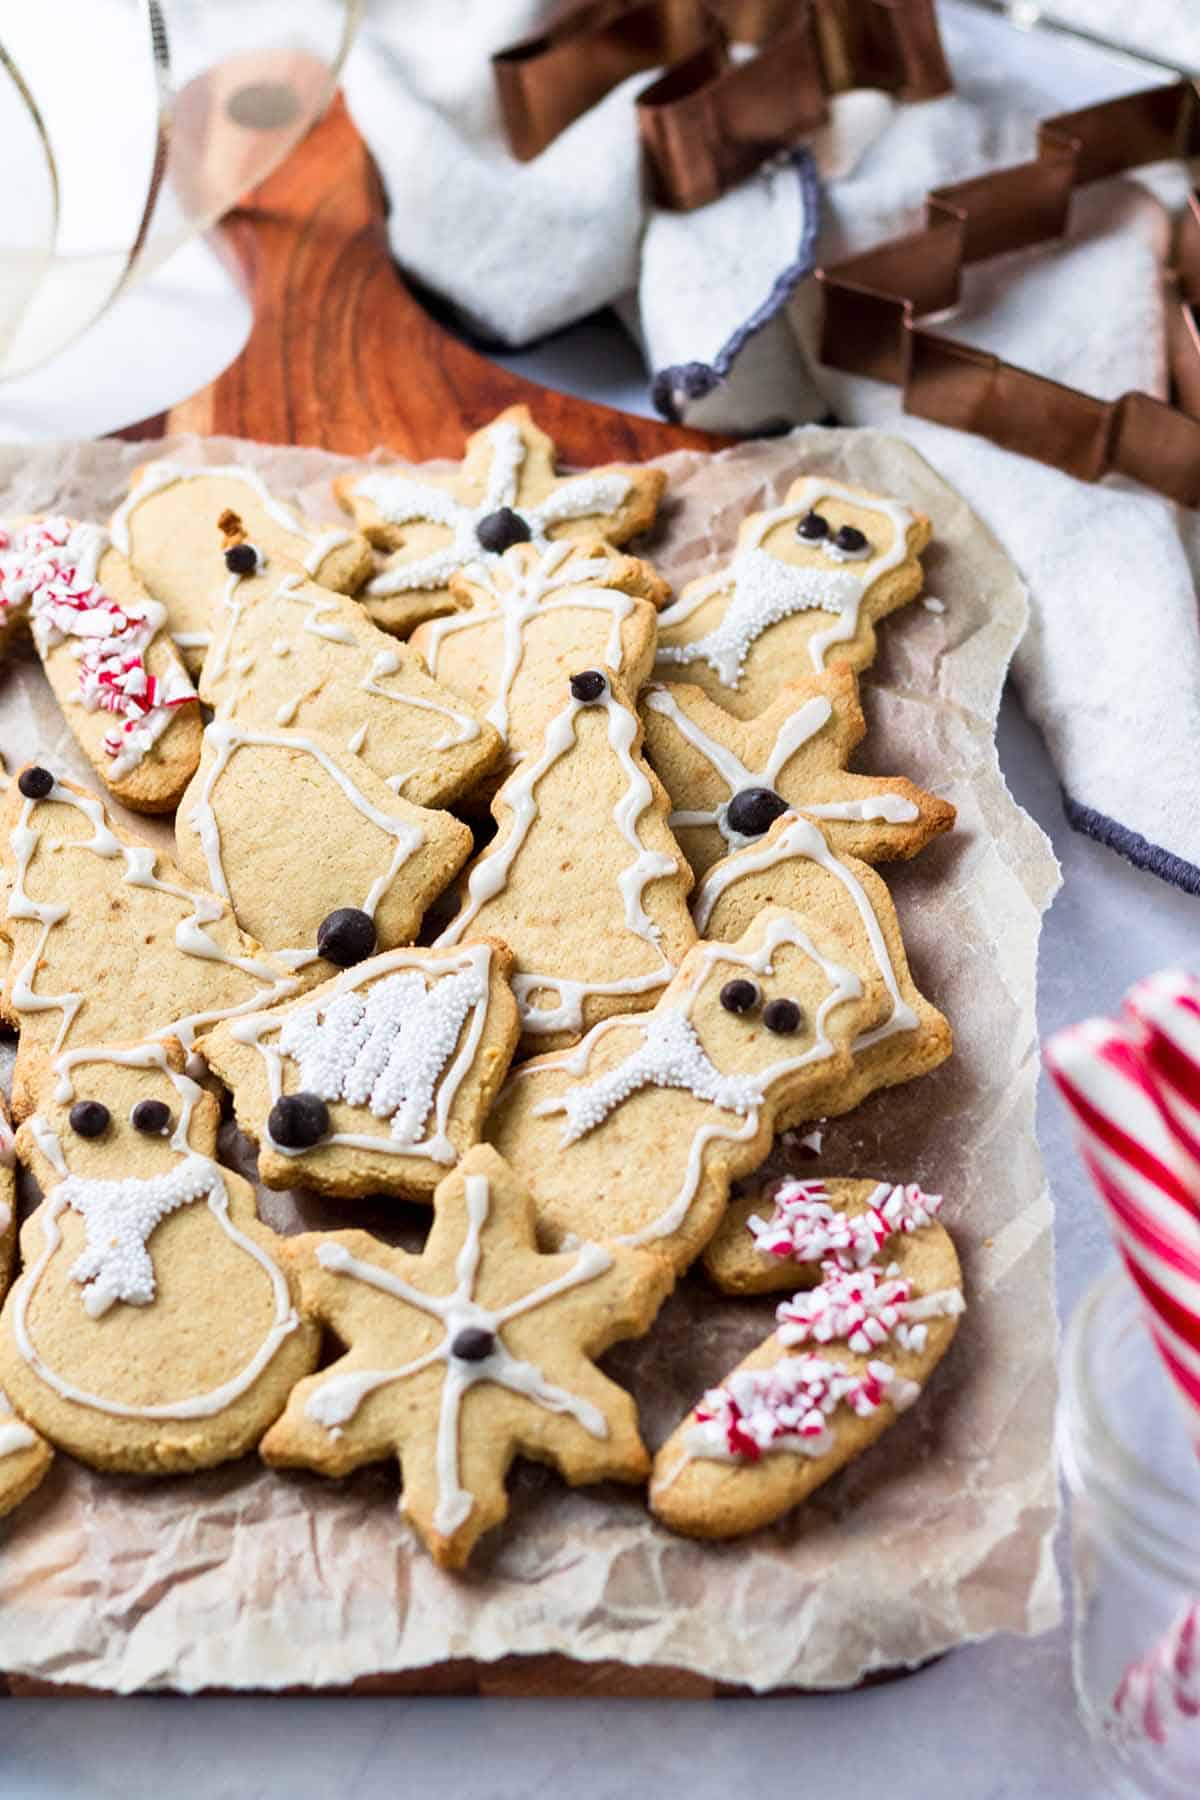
column 154, row 1327
column 807, row 585
column 378, row 1081
column 846, row 1358
column 729, row 779
column 459, row 1360
column 507, row 490
column 107, row 655
column 167, row 527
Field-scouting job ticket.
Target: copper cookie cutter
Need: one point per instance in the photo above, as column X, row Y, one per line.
column 873, row 303
column 711, row 119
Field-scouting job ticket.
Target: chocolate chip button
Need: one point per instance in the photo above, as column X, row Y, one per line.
column 588, row 685
column 89, row 1118
column 473, row 1344
column 782, row 1017
column 242, row 559
column 812, row 528
column 851, row 539
column 754, row 811
column 297, row 1121
column 151, row 1116
column 739, row 996
column 346, row 936
column 35, row 782
column 498, row 531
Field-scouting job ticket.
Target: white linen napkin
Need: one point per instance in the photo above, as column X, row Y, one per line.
column 1110, row 668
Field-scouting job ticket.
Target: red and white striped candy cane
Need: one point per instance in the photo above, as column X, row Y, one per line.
column 1148, row 1178
column 1163, row 1689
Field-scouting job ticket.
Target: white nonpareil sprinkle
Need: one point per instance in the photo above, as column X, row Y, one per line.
column 669, row 1056
column 766, row 590
column 119, row 1217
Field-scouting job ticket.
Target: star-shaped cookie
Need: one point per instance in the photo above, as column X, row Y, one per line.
column 807, row 585
column 729, row 779
column 507, row 490
column 473, row 1353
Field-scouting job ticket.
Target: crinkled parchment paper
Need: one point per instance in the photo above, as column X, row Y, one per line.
column 242, row 1577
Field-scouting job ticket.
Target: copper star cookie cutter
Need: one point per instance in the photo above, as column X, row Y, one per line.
column 713, row 118
column 874, row 303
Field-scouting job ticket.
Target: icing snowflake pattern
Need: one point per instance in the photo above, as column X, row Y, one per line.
column 387, row 1048
column 766, row 590
column 669, row 1056
column 864, row 1308
column 788, row 1407
column 50, row 568
column 119, row 1217
column 403, row 501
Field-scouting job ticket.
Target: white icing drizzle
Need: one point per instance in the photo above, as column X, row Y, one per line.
column 224, row 737
column 8, row 1150
column 165, row 473
column 120, row 1265
column 797, row 730
column 338, row 1397
column 465, row 728
column 801, row 839
column 404, row 501
column 356, row 740
column 14, row 1435
column 763, row 589
column 396, row 1047
column 523, row 600
column 50, row 567
column 490, row 872
column 670, row 1060
column 191, row 937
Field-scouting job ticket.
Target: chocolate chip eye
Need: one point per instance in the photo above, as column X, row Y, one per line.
column 89, row 1118
column 297, row 1121
column 740, row 996
column 754, row 811
column 812, row 528
column 243, row 559
column 782, row 1017
column 346, row 936
column 473, row 1344
column 588, row 685
column 35, row 782
column 151, row 1116
column 851, row 540
column 498, row 531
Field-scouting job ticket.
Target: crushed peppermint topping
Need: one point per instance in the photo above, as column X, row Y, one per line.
column 49, row 566
column 806, row 1228
column 788, row 1406
column 863, row 1308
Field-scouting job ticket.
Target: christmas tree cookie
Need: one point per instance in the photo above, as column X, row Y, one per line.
column 729, row 779
column 291, row 829
column 107, row 655
column 583, row 879
column 154, row 1328
column 286, row 652
column 635, row 1135
column 527, row 619
column 378, row 1081
column 808, row 584
column 167, row 528
column 506, row 491
column 457, row 1361
column 107, row 939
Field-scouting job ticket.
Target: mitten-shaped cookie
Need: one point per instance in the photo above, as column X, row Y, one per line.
column 153, row 1328
column 108, row 656
column 167, row 528
column 457, row 1361
column 729, row 779
column 507, row 490
column 807, row 586
column 583, row 879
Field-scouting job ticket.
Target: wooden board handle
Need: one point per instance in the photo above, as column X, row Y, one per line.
column 341, row 355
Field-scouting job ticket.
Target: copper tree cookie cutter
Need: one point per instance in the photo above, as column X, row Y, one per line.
column 710, row 120
column 873, row 303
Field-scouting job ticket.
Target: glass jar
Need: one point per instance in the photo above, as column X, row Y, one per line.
column 1135, row 1538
